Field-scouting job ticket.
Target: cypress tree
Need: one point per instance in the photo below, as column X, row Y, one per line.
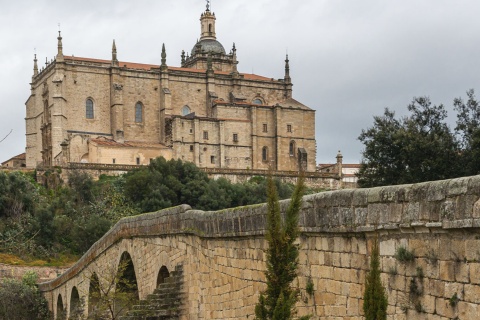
column 279, row 299
column 375, row 298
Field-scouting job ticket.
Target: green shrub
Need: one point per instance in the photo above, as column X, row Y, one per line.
column 404, row 255
column 375, row 301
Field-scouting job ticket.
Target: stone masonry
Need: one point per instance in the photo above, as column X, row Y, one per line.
column 223, row 258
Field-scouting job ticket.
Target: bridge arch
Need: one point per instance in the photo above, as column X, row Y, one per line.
column 163, row 273
column 93, row 293
column 76, row 308
column 126, row 275
column 60, row 314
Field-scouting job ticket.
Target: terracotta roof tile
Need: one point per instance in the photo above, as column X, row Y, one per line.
column 130, row 65
column 143, row 66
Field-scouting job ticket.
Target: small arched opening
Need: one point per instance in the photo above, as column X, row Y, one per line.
column 291, row 148
column 76, row 308
column 186, row 110
column 138, row 112
column 126, row 289
column 93, row 295
column 162, row 275
column 89, row 110
column 264, row 154
column 257, row 101
column 210, row 28
column 61, row 314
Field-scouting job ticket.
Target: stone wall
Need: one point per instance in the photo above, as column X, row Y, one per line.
column 319, row 180
column 223, row 257
column 17, row 272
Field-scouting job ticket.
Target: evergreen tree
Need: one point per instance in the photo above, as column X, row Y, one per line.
column 375, row 298
column 279, row 299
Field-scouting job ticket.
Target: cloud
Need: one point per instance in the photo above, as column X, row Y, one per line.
column 349, row 59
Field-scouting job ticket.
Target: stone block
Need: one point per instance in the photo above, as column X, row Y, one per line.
column 475, row 273
column 444, row 309
column 447, row 271
column 388, row 247
column 472, row 293
column 468, row 310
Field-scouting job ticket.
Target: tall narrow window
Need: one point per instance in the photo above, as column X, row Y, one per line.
column 89, row 109
column 138, row 160
column 212, row 159
column 264, row 154
column 138, row 112
column 265, row 128
column 289, row 128
column 205, row 135
column 235, row 137
column 292, row 148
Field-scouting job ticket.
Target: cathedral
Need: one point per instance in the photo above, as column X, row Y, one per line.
column 205, row 111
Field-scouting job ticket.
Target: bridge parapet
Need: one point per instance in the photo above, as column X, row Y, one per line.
column 227, row 247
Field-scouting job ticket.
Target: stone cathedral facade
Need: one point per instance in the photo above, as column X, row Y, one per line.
column 205, row 111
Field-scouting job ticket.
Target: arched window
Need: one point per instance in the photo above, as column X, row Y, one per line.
column 264, row 154
column 291, row 149
column 89, row 109
column 210, row 28
column 186, row 110
column 257, row 101
column 138, row 112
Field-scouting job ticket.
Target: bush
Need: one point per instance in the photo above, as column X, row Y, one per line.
column 404, row 255
column 21, row 300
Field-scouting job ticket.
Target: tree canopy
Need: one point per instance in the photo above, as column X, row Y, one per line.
column 421, row 146
column 43, row 222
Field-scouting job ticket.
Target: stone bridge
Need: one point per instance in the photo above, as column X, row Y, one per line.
column 217, row 258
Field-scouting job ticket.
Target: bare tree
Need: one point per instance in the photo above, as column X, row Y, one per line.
column 6, row 136
column 112, row 292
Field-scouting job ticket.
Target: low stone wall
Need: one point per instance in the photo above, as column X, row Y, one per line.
column 320, row 180
column 17, row 272
column 223, row 255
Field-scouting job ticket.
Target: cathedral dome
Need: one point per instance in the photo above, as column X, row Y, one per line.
column 209, row 45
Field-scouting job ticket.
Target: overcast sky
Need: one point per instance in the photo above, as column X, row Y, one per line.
column 349, row 59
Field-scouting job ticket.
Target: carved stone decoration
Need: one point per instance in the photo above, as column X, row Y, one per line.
column 118, row 86
column 45, row 89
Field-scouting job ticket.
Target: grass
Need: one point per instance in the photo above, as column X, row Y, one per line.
column 404, row 255
column 60, row 261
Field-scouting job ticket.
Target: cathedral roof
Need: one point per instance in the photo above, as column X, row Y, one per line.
column 208, row 45
column 144, row 66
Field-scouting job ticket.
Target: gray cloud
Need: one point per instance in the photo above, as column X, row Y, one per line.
column 349, row 59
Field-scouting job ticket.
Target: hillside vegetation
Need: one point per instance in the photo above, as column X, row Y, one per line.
column 55, row 224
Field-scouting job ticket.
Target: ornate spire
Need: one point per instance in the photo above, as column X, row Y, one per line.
column 208, row 5
column 114, row 54
column 287, row 79
column 234, row 59
column 60, row 47
column 183, row 57
column 35, row 65
column 164, row 58
column 287, row 71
